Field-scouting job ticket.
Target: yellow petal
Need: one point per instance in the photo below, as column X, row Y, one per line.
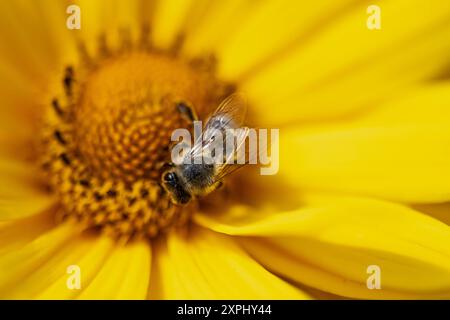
column 170, row 16
column 112, row 18
column 408, row 164
column 424, row 104
column 34, row 35
column 397, row 152
column 206, row 265
column 125, row 274
column 22, row 205
column 347, row 67
column 35, row 44
column 330, row 243
column 21, row 262
column 20, row 195
column 440, row 211
column 214, row 31
column 16, row 233
column 50, row 280
column 94, row 20
column 20, row 80
column 16, row 90
column 322, row 295
column 268, row 30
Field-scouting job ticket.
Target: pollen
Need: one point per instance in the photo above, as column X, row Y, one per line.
column 107, row 135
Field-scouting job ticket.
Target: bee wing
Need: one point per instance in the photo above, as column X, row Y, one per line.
column 237, row 158
column 229, row 115
column 233, row 110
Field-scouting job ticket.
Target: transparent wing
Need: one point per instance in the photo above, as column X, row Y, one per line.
column 229, row 115
column 236, row 158
column 232, row 111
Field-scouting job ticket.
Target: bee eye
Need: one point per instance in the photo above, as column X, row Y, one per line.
column 169, row 177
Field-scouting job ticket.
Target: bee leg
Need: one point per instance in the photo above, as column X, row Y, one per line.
column 186, row 111
column 218, row 185
column 224, row 195
column 225, row 191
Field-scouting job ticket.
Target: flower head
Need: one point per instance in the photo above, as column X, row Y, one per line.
column 87, row 117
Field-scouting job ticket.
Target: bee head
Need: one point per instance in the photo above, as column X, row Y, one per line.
column 175, row 187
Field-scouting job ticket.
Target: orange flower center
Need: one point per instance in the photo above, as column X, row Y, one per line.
column 108, row 137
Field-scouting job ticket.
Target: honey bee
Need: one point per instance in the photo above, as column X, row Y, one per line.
column 192, row 178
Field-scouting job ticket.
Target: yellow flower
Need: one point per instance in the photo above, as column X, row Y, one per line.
column 364, row 175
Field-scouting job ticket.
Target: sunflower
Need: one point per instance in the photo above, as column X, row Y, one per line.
column 364, row 178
